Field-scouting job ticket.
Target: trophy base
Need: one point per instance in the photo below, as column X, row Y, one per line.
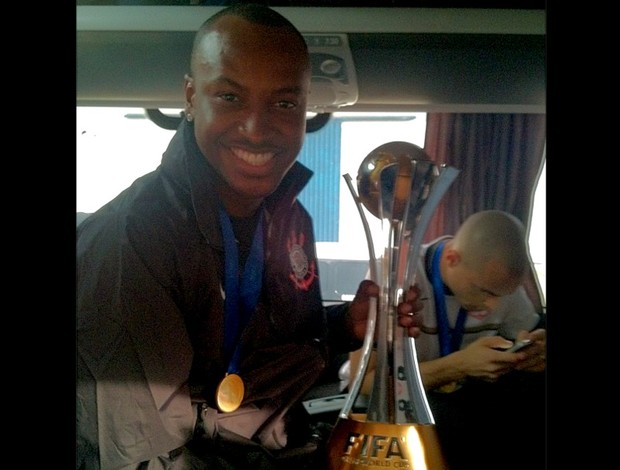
column 356, row 444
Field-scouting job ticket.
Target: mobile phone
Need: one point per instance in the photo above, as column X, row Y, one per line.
column 519, row 345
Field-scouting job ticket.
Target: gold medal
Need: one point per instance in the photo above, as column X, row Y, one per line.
column 229, row 394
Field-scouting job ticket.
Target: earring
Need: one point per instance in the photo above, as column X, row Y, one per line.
column 189, row 117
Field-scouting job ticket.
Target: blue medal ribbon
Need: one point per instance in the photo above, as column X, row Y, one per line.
column 242, row 290
column 450, row 339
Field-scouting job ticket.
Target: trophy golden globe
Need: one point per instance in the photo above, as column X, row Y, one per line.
column 399, row 184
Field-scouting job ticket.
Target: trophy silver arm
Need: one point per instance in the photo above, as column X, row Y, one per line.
column 372, row 310
column 440, row 185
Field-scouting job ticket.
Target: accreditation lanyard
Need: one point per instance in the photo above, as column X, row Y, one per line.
column 242, row 290
column 450, row 339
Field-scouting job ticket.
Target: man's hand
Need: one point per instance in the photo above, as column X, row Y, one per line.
column 534, row 357
column 406, row 310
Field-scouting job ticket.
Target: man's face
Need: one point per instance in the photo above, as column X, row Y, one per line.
column 248, row 98
column 482, row 288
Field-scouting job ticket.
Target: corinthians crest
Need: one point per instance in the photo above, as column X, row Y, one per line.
column 303, row 273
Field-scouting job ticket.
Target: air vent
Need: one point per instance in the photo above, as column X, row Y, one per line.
column 334, row 83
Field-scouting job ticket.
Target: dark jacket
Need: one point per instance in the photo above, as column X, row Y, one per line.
column 150, row 308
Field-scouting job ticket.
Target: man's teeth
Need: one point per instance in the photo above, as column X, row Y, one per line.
column 255, row 159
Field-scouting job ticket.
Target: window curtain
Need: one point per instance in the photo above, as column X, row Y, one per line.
column 499, row 156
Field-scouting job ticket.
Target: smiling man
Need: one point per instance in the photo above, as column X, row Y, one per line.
column 200, row 323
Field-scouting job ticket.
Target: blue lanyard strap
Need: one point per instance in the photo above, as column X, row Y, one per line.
column 242, row 290
column 450, row 339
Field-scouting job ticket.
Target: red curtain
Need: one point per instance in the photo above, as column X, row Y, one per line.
column 499, row 157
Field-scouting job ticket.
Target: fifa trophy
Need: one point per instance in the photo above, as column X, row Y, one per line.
column 399, row 184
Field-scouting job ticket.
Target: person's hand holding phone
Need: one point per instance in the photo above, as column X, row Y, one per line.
column 534, row 348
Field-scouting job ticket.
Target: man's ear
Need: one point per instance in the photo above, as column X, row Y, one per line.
column 453, row 257
column 189, row 94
